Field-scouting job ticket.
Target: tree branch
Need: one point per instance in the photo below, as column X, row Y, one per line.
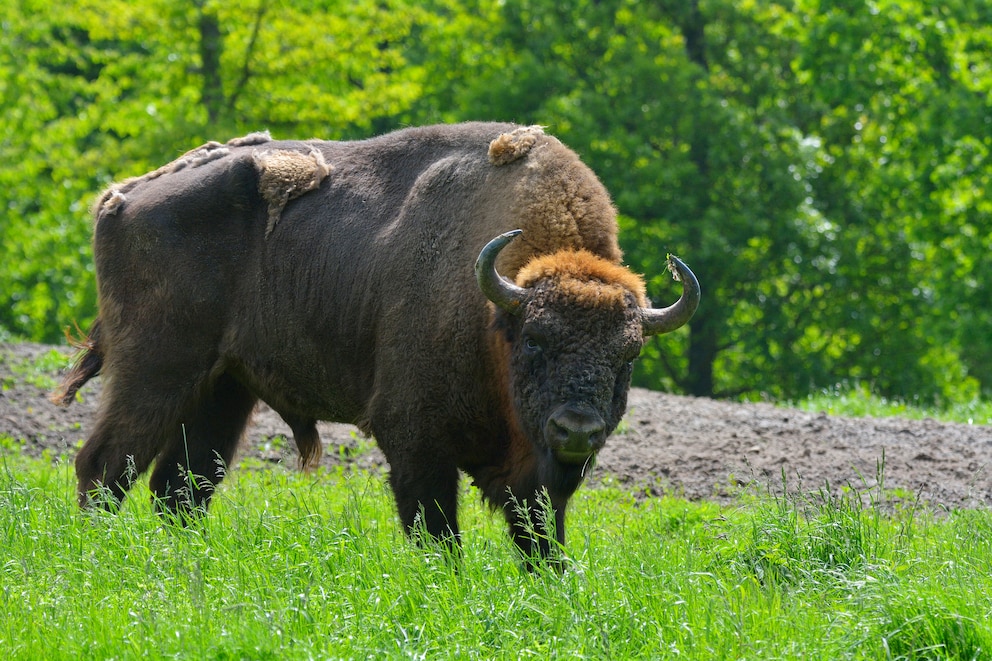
column 242, row 83
column 671, row 371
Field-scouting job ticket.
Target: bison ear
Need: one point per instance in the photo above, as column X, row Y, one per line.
column 506, row 295
column 665, row 320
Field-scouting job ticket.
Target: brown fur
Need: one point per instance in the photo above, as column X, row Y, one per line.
column 87, row 365
column 559, row 204
column 367, row 312
column 112, row 199
column 589, row 280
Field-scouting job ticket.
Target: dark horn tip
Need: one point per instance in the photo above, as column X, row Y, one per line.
column 503, row 240
column 676, row 267
column 655, row 321
column 495, row 287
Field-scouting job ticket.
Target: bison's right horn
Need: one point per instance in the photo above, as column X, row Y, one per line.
column 656, row 322
column 506, row 295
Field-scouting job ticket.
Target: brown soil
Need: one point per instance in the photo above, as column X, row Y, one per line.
column 697, row 448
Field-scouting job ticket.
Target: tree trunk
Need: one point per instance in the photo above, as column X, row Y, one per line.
column 211, row 46
column 702, row 354
column 703, row 335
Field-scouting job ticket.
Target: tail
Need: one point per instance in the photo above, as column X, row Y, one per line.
column 85, row 366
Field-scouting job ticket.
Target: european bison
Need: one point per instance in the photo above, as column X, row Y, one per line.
column 334, row 281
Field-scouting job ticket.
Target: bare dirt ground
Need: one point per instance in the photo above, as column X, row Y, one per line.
column 696, row 448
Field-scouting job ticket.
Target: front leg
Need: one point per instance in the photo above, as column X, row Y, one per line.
column 537, row 526
column 426, row 492
column 533, row 496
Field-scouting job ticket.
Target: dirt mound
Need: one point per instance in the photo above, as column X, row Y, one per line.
column 694, row 447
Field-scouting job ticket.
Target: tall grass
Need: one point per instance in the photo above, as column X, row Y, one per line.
column 289, row 566
column 858, row 400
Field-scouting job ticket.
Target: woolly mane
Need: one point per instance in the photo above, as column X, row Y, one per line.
column 589, row 280
column 556, row 200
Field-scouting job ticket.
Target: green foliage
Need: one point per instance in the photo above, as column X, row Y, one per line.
column 94, row 92
column 789, row 153
column 857, row 400
column 291, row 566
column 822, row 166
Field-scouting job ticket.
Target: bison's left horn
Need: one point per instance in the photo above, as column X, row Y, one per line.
column 665, row 320
column 498, row 289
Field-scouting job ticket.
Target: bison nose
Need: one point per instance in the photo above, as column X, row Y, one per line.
column 574, row 434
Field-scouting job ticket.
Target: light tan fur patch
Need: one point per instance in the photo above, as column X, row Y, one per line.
column 256, row 138
column 284, row 175
column 590, row 280
column 111, row 202
column 508, row 147
column 194, row 159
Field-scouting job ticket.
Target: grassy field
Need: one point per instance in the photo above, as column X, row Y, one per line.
column 289, row 566
column 292, row 566
column 857, row 400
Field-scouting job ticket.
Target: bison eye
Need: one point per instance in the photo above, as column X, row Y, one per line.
column 533, row 345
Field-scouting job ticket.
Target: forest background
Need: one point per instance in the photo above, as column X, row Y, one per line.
column 822, row 165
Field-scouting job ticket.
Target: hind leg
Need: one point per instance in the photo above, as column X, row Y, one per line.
column 140, row 407
column 200, row 448
column 129, row 433
column 110, row 461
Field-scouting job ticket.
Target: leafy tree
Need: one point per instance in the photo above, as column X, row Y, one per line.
column 890, row 91
column 787, row 150
column 98, row 91
column 821, row 164
column 695, row 164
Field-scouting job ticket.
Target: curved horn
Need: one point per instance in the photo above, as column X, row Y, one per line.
column 665, row 320
column 498, row 289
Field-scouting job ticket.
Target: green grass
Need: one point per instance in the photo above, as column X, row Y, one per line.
column 290, row 566
column 859, row 400
column 39, row 371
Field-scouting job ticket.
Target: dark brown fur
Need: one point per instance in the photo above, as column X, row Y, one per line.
column 359, row 305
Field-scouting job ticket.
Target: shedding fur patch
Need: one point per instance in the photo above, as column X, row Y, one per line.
column 112, row 200
column 256, row 138
column 194, row 159
column 508, row 147
column 284, row 175
column 111, row 203
column 582, row 276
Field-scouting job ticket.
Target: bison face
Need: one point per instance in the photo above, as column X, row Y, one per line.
column 574, row 323
column 570, row 365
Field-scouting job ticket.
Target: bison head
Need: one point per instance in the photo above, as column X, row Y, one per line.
column 575, row 322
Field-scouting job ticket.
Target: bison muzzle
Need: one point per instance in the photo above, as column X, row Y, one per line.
column 334, row 281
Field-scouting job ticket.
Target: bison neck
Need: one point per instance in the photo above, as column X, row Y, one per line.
column 520, row 469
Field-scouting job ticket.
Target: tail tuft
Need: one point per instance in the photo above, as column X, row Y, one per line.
column 85, row 366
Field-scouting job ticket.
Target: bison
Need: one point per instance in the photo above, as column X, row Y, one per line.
column 335, row 281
